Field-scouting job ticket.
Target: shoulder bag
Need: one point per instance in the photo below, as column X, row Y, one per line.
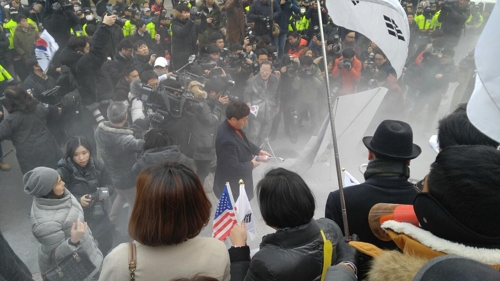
column 275, row 26
column 132, row 257
column 76, row 266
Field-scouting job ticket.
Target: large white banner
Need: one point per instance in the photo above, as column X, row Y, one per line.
column 382, row 21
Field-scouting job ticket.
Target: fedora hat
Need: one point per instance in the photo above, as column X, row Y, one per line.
column 393, row 139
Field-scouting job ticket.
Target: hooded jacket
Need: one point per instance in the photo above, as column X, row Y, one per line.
column 118, row 149
column 161, row 155
column 51, row 222
column 184, row 37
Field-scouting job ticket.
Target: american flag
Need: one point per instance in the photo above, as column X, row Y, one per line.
column 225, row 217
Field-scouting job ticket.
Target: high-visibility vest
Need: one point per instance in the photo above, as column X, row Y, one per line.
column 423, row 23
column 151, row 29
column 32, row 22
column 77, row 33
column 302, row 24
column 479, row 20
column 5, row 75
column 128, row 28
column 435, row 22
column 10, row 29
column 84, row 27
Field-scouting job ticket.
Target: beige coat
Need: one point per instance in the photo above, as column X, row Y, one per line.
column 198, row 256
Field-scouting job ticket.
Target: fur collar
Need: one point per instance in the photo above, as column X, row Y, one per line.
column 107, row 127
column 483, row 255
column 394, row 265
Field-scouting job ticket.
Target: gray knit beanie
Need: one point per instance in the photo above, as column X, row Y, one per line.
column 40, row 181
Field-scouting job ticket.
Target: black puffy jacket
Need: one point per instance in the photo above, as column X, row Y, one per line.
column 94, row 82
column 160, row 155
column 292, row 254
column 184, row 37
column 5, row 54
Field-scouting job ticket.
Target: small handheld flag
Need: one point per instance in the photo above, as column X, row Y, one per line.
column 244, row 211
column 225, row 217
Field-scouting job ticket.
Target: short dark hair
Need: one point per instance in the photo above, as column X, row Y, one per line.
column 17, row 99
column 261, row 51
column 138, row 44
column 378, row 51
column 90, row 29
column 294, row 34
column 348, row 53
column 157, row 138
column 456, row 129
column 139, row 23
column 171, row 205
column 237, row 109
column 125, row 44
column 285, row 200
column 306, row 61
column 73, row 143
column 147, row 75
column 215, row 84
column 31, row 62
column 77, row 43
column 21, row 17
column 216, row 36
column 127, row 70
column 465, row 180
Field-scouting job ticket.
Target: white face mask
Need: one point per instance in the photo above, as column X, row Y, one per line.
column 77, row 9
column 302, row 11
column 89, row 17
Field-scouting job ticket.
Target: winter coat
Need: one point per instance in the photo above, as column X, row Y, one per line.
column 259, row 10
column 37, row 84
column 94, row 83
column 430, row 68
column 134, row 101
column 11, row 266
column 69, row 58
column 207, row 256
column 418, row 246
column 24, row 41
column 216, row 15
column 184, row 37
column 116, row 38
column 141, row 63
column 235, row 30
column 454, row 20
column 308, row 88
column 292, row 254
column 58, row 24
column 234, row 160
column 387, row 68
column 116, row 67
column 5, row 54
column 51, row 222
column 121, row 90
column 206, row 123
column 118, row 148
column 161, row 155
column 286, row 12
column 349, row 78
column 35, row 145
column 82, row 181
column 312, row 15
column 256, row 93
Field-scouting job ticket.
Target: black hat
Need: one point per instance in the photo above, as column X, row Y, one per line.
column 236, row 47
column 164, row 17
column 87, row 11
column 182, row 7
column 394, row 140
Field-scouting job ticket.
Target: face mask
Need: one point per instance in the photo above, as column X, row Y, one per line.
column 302, row 11
column 77, row 9
column 89, row 17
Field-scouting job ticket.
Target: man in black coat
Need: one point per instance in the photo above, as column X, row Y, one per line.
column 122, row 60
column 260, row 13
column 236, row 155
column 386, row 180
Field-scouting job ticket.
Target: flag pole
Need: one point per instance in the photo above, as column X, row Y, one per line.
column 332, row 124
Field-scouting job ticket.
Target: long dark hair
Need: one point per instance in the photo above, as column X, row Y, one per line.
column 73, row 143
column 17, row 99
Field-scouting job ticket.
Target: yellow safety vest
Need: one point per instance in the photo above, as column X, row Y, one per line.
column 4, row 75
column 10, row 28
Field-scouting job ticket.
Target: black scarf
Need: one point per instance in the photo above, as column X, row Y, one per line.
column 387, row 168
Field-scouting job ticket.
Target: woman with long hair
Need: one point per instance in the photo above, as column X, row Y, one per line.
column 170, row 210
column 26, row 127
column 90, row 182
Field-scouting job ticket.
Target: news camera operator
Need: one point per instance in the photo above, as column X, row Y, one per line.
column 207, row 118
column 260, row 14
column 348, row 69
column 185, row 34
column 58, row 20
column 453, row 16
column 240, row 67
column 88, row 179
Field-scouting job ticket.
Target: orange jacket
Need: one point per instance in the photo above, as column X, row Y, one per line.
column 294, row 51
column 349, row 78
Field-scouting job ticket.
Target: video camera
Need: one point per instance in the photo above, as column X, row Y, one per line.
column 345, row 64
column 96, row 201
column 337, row 45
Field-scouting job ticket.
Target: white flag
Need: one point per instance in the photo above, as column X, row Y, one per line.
column 382, row 21
column 349, row 180
column 45, row 48
column 244, row 212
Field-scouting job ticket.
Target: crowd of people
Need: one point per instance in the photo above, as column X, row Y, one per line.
column 146, row 103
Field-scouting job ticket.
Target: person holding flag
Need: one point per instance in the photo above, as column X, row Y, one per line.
column 311, row 246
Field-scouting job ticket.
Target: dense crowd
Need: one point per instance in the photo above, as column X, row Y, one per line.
column 147, row 102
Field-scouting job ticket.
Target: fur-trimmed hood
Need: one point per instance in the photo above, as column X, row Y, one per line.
column 197, row 89
column 395, row 266
column 202, row 4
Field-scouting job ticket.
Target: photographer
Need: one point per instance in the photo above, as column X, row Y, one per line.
column 348, row 67
column 144, row 59
column 207, row 119
column 260, row 13
column 453, row 16
column 58, row 21
column 212, row 11
column 295, row 44
column 89, row 181
column 240, row 66
column 185, row 34
column 37, row 81
column 308, row 84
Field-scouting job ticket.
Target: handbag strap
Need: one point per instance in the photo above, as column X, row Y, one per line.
column 132, row 259
column 327, row 254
